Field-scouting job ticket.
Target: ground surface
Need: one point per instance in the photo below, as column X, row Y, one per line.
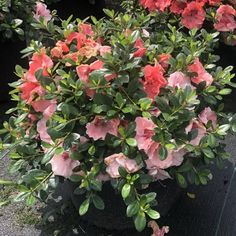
column 211, row 213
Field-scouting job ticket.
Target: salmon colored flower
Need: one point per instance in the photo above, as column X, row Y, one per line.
column 86, row 29
column 153, row 80
column 178, row 6
column 164, row 60
column 59, row 50
column 225, row 17
column 214, row 2
column 79, row 37
column 202, row 74
column 193, row 15
column 100, row 127
column 152, row 5
column 117, row 160
column 140, row 49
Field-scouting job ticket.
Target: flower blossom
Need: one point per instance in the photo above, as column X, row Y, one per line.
column 63, row 165
column 42, row 11
column 115, row 161
column 202, row 74
column 153, row 80
column 99, row 128
column 193, row 15
column 152, row 5
column 179, row 80
column 225, row 17
column 140, row 49
column 178, row 6
column 208, row 115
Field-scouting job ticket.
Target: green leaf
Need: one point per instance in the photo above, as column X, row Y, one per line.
column 222, row 130
column 181, row 180
column 151, row 196
column 30, row 200
column 132, row 209
column 126, row 190
column 163, row 153
column 131, row 142
column 3, row 203
column 208, row 153
column 98, row 202
column 225, row 91
column 211, row 140
column 84, row 207
column 153, row 214
column 140, row 221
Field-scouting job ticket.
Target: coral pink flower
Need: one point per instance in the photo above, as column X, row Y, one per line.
column 86, row 29
column 60, row 48
column 164, row 60
column 153, row 80
column 99, row 128
column 115, row 161
column 193, row 15
column 42, row 131
column 202, row 74
column 84, row 70
column 179, row 80
column 208, row 115
column 195, row 125
column 155, row 4
column 214, row 2
column 79, row 37
column 29, row 90
column 149, row 4
column 39, row 61
column 178, row 6
column 47, row 107
column 63, row 165
column 42, row 11
column 225, row 17
column 174, row 158
column 141, row 50
column 144, row 132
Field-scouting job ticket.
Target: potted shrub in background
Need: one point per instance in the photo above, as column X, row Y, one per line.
column 123, row 102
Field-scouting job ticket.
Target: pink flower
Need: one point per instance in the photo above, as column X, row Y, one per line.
column 159, row 174
column 141, row 50
column 47, row 107
column 162, row 4
column 179, row 80
column 115, row 161
column 153, row 80
column 208, row 115
column 60, row 48
column 174, row 158
column 99, row 128
column 150, row 4
column 214, row 2
column 178, row 6
column 157, row 231
column 104, row 50
column 193, row 15
column 42, row 131
column 63, row 165
column 144, row 132
column 155, row 4
column 195, row 125
column 225, row 17
column 42, row 11
column 79, row 37
column 202, row 74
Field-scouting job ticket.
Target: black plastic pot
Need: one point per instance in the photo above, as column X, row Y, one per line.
column 113, row 217
column 10, row 57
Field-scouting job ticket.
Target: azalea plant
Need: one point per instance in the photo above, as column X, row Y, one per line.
column 16, row 17
column 128, row 100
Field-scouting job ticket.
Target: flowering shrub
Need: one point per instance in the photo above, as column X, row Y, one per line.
column 210, row 14
column 123, row 100
column 16, row 16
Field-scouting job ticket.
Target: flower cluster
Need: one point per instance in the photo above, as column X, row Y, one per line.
column 116, row 102
column 195, row 13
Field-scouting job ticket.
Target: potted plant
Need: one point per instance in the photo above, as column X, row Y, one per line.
column 119, row 104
